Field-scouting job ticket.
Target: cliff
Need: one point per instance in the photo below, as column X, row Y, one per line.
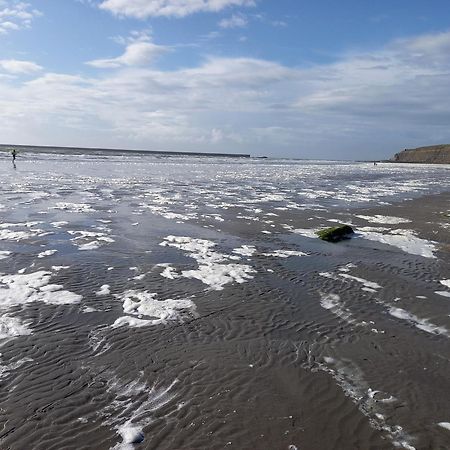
column 434, row 154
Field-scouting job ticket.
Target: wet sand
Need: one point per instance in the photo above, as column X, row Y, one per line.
column 137, row 308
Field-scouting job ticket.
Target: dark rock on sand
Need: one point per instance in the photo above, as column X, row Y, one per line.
column 336, row 234
column 434, row 154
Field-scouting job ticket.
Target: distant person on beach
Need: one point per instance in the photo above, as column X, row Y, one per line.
column 13, row 153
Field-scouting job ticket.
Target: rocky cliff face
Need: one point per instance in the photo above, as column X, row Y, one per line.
column 434, row 154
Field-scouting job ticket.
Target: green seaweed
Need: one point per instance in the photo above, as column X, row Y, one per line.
column 335, row 234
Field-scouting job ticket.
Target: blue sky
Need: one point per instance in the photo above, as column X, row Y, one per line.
column 325, row 79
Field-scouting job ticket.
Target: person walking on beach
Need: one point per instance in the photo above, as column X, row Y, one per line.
column 14, row 154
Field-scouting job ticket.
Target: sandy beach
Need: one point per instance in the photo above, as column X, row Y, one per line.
column 187, row 303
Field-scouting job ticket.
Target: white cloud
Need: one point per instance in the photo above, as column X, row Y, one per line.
column 403, row 74
column 144, row 35
column 384, row 100
column 235, row 21
column 8, row 26
column 429, row 43
column 278, row 23
column 143, row 9
column 269, row 21
column 15, row 66
column 136, row 54
column 15, row 15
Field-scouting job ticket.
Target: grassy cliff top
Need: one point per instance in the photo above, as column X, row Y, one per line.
column 433, row 154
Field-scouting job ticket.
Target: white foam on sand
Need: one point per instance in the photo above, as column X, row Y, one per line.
column 284, row 253
column 131, row 434
column 443, row 293
column 59, row 224
column 150, row 311
column 347, row 267
column 104, row 290
column 329, row 275
column 216, row 276
column 253, row 218
column 445, row 283
column 73, row 207
column 5, row 369
column 12, row 327
column 169, row 271
column 131, row 322
column 245, row 250
column 351, row 380
column 93, row 245
column 133, row 408
column 390, row 220
column 445, row 425
column 21, row 289
column 58, row 268
column 90, row 240
column 367, row 284
column 90, row 234
column 34, row 287
column 421, row 324
column 6, row 234
column 376, row 229
column 165, row 212
column 214, row 268
column 405, row 240
column 4, row 254
column 30, row 224
column 217, row 217
column 131, row 431
column 139, row 277
column 307, row 232
column 199, row 249
column 334, row 304
column 39, row 195
column 46, row 253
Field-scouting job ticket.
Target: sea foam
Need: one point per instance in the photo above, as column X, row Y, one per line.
column 214, row 268
column 150, row 311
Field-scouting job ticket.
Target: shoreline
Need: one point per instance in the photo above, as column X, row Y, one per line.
column 106, row 151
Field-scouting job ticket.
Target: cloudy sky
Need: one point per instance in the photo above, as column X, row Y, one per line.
column 348, row 79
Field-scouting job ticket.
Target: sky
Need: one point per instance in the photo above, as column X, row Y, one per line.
column 283, row 78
